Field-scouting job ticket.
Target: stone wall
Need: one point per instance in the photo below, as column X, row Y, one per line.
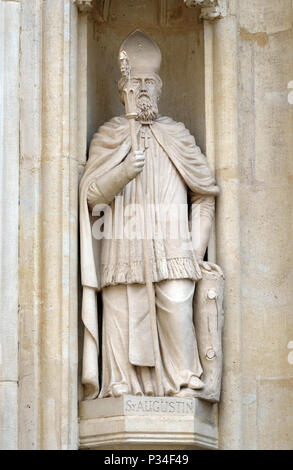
column 265, row 206
column 245, row 66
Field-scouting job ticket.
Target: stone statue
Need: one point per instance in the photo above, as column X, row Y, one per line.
column 179, row 192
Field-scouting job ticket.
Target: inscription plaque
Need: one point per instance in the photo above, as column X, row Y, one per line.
column 150, row 405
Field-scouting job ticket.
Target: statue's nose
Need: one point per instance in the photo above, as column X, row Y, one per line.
column 143, row 87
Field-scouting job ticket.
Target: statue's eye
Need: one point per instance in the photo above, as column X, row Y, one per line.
column 150, row 82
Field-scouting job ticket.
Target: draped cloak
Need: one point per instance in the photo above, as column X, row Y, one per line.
column 108, row 149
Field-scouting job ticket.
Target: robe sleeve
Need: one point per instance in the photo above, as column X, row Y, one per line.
column 104, row 188
column 206, row 205
column 201, row 219
column 95, row 195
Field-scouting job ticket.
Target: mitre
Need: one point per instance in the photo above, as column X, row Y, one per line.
column 143, row 53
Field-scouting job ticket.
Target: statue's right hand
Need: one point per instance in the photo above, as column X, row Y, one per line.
column 134, row 163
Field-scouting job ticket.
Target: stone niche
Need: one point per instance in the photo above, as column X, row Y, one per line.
column 178, row 32
column 145, row 422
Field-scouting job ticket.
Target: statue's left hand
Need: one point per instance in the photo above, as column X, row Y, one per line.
column 208, row 266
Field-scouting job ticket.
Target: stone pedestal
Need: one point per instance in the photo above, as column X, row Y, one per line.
column 148, row 423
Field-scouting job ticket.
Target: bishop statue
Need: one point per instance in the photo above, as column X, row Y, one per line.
column 177, row 187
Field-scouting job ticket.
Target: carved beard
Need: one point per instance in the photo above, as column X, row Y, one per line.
column 147, row 108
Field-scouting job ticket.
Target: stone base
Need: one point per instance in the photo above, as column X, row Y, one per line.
column 150, row 423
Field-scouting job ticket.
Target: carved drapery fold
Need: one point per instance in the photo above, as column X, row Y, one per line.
column 210, row 9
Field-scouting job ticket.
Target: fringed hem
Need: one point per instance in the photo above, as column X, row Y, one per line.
column 125, row 273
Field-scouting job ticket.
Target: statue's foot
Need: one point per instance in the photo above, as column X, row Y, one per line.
column 119, row 390
column 186, row 393
column 195, row 383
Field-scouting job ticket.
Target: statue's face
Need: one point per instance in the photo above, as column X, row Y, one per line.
column 147, row 90
column 145, row 85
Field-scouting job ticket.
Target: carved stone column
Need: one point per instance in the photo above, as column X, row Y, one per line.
column 211, row 10
column 9, row 171
column 50, row 131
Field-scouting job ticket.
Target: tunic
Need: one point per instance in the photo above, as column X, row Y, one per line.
column 170, row 242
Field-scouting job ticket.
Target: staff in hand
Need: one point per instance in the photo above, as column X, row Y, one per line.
column 131, row 114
